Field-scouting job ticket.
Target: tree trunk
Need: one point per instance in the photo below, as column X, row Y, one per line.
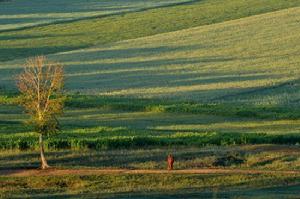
column 44, row 164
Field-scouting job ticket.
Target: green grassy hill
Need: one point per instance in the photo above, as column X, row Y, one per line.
column 98, row 31
column 253, row 60
column 243, row 74
column 216, row 83
column 36, row 12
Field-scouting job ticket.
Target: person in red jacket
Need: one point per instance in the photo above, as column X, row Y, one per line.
column 170, row 160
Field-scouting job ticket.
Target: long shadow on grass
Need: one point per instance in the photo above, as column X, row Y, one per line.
column 128, row 160
column 8, row 54
column 285, row 191
column 3, row 122
column 100, row 54
column 117, row 159
column 218, row 192
column 31, row 36
column 141, row 158
column 71, row 20
column 292, row 85
column 110, row 75
column 239, row 110
column 19, row 161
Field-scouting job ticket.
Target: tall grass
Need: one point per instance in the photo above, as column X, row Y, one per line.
column 142, row 141
column 105, row 123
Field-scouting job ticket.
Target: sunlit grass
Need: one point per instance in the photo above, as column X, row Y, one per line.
column 152, row 186
column 253, row 60
column 101, row 128
column 84, row 33
column 264, row 157
column 35, row 12
column 92, row 120
column 203, row 94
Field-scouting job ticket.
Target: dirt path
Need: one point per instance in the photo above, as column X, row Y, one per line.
column 61, row 172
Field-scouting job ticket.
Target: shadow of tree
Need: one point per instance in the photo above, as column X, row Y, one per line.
column 8, row 54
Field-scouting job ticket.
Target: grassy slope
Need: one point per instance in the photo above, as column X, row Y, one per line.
column 164, row 186
column 37, row 12
column 254, row 60
column 251, row 61
column 62, row 37
column 101, row 129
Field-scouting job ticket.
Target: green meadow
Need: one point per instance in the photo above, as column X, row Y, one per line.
column 181, row 85
column 214, row 82
column 37, row 13
column 59, row 37
column 153, row 186
column 249, row 60
column 167, row 185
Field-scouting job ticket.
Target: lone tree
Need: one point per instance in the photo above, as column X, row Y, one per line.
column 41, row 86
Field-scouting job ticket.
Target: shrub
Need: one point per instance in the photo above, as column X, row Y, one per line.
column 229, row 160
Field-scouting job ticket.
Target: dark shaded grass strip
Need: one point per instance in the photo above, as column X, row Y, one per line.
column 129, row 142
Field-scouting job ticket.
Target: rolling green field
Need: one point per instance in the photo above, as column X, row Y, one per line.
column 214, row 82
column 153, row 186
column 255, row 157
column 60, row 37
column 263, row 157
column 248, row 60
column 35, row 12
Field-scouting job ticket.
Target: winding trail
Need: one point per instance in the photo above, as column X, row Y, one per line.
column 83, row 172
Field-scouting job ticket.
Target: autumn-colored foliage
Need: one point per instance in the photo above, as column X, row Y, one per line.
column 41, row 86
